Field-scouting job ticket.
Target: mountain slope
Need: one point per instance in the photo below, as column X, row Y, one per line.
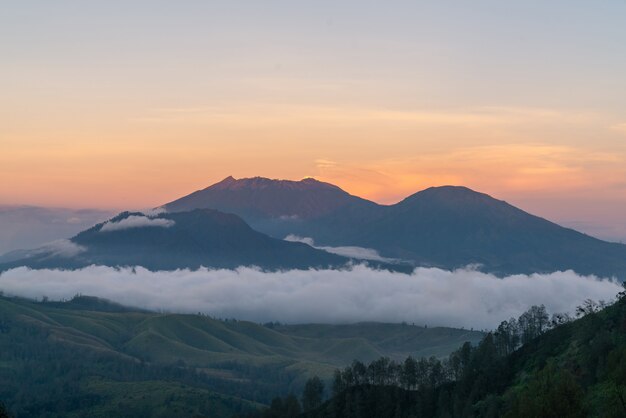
column 448, row 227
column 275, row 207
column 178, row 240
column 452, row 227
column 89, row 357
column 262, row 198
column 574, row 369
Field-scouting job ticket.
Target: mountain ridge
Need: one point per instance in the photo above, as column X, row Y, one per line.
column 169, row 241
column 260, row 197
column 447, row 226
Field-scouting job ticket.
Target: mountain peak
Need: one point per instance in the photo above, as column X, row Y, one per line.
column 450, row 195
column 228, row 180
column 261, row 198
column 260, row 183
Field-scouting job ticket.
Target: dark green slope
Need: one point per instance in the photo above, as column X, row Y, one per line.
column 577, row 369
column 89, row 357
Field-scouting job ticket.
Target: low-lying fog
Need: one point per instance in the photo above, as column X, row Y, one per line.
column 462, row 298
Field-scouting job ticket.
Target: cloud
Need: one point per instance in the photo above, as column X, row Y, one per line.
column 503, row 169
column 27, row 227
column 58, row 248
column 151, row 213
column 289, row 217
column 359, row 253
column 620, row 127
column 61, row 248
column 462, row 298
column 135, row 221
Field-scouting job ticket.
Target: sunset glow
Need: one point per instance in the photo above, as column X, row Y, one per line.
column 150, row 103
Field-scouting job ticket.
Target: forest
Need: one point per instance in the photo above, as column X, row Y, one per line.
column 91, row 357
column 61, row 359
column 532, row 366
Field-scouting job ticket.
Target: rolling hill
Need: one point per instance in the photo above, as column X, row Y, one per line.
column 90, row 357
column 567, row 369
column 448, row 227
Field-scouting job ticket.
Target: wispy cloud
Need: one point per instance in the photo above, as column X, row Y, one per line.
column 25, row 227
column 359, row 253
column 620, row 127
column 135, row 221
column 63, row 248
column 508, row 168
column 58, row 248
column 462, row 298
column 150, row 213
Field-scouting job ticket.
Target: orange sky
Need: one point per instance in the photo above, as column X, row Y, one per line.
column 381, row 155
column 110, row 108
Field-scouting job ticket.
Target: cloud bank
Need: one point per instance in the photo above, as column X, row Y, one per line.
column 61, row 248
column 359, row 253
column 462, row 298
column 135, row 221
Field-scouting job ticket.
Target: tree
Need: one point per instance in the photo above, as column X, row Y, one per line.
column 533, row 323
column 379, row 371
column 620, row 295
column 359, row 373
column 559, row 319
column 408, row 375
column 4, row 413
column 506, row 337
column 553, row 392
column 339, row 384
column 313, row 394
column 589, row 306
column 283, row 408
column 291, row 407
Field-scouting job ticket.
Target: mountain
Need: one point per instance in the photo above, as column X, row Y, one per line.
column 169, row 241
column 275, row 207
column 448, row 227
column 262, row 198
column 89, row 357
column 452, row 227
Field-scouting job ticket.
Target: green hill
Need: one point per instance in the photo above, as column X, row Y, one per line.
column 90, row 357
column 576, row 369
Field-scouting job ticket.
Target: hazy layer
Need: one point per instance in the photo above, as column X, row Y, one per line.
column 26, row 227
column 462, row 298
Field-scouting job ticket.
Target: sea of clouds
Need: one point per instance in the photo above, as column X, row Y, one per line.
column 462, row 298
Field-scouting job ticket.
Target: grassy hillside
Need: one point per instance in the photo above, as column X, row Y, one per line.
column 89, row 357
column 576, row 369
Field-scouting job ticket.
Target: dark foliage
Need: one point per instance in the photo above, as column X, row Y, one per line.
column 563, row 369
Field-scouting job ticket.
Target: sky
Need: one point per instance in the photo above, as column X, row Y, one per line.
column 131, row 104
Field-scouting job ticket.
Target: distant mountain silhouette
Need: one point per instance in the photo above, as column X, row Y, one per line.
column 448, row 227
column 260, row 198
column 169, row 241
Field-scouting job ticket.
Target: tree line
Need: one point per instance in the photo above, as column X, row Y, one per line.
column 468, row 382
